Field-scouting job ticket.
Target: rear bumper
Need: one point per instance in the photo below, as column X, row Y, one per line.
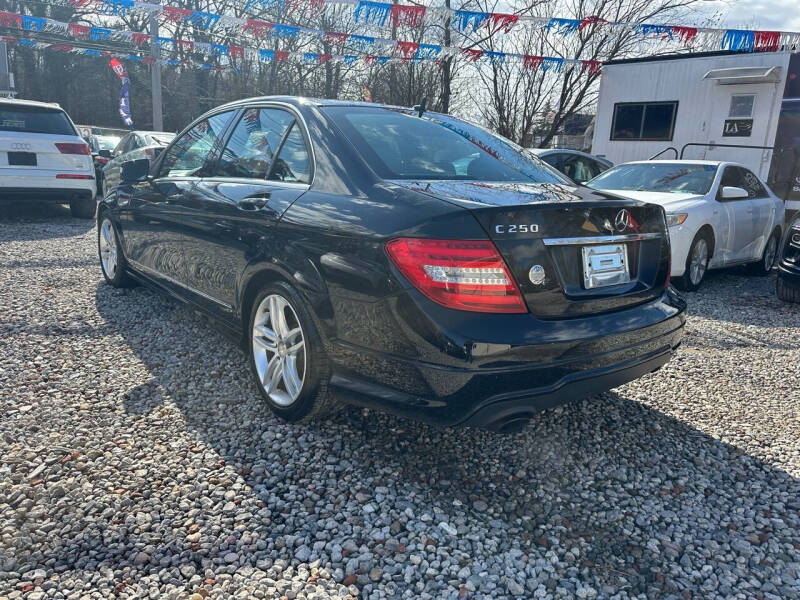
column 61, row 194
column 497, row 384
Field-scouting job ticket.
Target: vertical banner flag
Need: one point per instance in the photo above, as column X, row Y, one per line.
column 124, row 92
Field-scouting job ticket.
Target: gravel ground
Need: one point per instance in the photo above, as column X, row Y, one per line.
column 136, row 460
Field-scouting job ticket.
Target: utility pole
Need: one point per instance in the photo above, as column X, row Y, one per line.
column 155, row 72
column 6, row 78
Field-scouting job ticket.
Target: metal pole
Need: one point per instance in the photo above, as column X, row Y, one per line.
column 155, row 71
column 6, row 85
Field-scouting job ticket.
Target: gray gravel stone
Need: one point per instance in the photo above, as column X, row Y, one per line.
column 137, row 461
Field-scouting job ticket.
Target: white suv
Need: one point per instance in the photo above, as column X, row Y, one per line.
column 42, row 157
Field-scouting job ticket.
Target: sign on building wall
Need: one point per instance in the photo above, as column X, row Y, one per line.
column 737, row 128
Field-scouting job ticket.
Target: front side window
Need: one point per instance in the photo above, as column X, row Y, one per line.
column 742, row 178
column 676, row 178
column 651, row 121
column 400, row 145
column 33, row 119
column 253, row 143
column 187, row 156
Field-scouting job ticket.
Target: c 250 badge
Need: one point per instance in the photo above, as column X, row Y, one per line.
column 516, row 228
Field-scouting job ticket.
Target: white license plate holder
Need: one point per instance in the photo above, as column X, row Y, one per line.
column 605, row 265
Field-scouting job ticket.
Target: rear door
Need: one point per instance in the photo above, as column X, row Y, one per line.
column 39, row 142
column 264, row 167
column 153, row 215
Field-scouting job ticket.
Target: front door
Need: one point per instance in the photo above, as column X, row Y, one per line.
column 153, row 216
column 739, row 214
column 264, row 167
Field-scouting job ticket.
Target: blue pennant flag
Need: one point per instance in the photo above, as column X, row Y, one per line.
column 100, row 33
column 310, row 57
column 266, row 55
column 553, row 64
column 116, row 7
column 465, row 19
column 33, row 23
column 350, row 59
column 659, row 30
column 382, row 60
column 219, row 49
column 739, row 40
column 375, row 13
column 173, row 62
column 204, row 20
column 165, row 42
column 362, row 42
column 495, row 57
column 428, row 51
column 135, row 57
column 91, row 52
column 29, row 43
column 279, row 30
column 564, row 26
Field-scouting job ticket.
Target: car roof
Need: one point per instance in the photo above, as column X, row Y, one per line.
column 714, row 163
column 32, row 103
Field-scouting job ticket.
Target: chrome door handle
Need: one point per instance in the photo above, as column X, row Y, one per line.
column 254, row 202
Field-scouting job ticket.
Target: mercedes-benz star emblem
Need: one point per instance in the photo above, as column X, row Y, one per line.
column 622, row 220
column 537, row 275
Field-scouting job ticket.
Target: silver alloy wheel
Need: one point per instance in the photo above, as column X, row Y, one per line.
column 770, row 252
column 698, row 263
column 279, row 350
column 108, row 249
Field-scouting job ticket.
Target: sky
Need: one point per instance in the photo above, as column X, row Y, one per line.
column 779, row 15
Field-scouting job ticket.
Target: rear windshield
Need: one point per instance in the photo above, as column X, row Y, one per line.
column 676, row 178
column 33, row 119
column 399, row 145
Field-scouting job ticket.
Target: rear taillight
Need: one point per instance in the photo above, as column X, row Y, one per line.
column 101, row 159
column 73, row 148
column 460, row 274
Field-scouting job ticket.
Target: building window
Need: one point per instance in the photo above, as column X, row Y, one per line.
column 652, row 121
column 742, row 106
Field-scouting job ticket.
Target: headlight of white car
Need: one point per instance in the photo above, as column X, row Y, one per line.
column 675, row 219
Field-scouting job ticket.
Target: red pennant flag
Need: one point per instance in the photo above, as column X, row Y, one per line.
column 532, row 62
column 140, row 39
column 591, row 66
column 323, row 58
column 281, row 55
column 259, row 28
column 766, row 41
column 8, row 19
column 408, row 16
column 335, row 39
column 685, row 34
column 592, row 20
column 187, row 45
column 502, row 22
column 407, row 49
column 235, row 51
column 175, row 14
column 472, row 55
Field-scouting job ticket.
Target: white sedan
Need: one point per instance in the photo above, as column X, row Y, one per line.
column 719, row 214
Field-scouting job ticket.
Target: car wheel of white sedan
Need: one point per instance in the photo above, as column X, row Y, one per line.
column 764, row 265
column 696, row 263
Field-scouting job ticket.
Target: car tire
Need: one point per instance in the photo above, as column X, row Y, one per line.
column 112, row 260
column 764, row 264
column 696, row 263
column 786, row 291
column 83, row 208
column 287, row 359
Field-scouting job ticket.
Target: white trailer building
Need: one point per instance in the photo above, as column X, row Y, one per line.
column 748, row 99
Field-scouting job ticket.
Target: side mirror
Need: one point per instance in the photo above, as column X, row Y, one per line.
column 104, row 153
column 730, row 192
column 134, row 171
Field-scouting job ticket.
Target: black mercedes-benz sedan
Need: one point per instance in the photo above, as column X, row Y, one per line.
column 788, row 282
column 396, row 259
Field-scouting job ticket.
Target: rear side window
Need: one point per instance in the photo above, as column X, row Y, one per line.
column 187, row 156
column 253, row 143
column 292, row 163
column 33, row 119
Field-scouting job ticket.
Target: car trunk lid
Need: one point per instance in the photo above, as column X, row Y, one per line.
column 573, row 251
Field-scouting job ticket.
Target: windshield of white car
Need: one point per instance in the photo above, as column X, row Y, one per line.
column 673, row 178
column 34, row 119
